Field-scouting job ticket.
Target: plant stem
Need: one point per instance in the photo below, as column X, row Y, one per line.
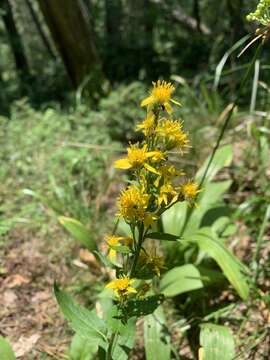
column 223, row 129
column 110, row 347
column 138, row 249
column 260, row 241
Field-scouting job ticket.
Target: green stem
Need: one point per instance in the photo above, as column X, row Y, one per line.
column 138, row 249
column 223, row 129
column 110, row 347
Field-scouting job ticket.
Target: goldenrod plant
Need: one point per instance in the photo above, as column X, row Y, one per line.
column 155, row 185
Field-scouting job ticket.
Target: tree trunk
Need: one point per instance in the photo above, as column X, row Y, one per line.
column 40, row 30
column 114, row 42
column 15, row 41
column 69, row 23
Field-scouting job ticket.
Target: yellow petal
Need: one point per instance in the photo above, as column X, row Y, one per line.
column 151, row 169
column 122, row 164
column 111, row 285
column 176, row 102
column 131, row 290
column 147, row 101
column 168, row 108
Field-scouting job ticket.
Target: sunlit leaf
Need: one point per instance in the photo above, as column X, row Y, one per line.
column 6, row 352
column 78, row 231
column 232, row 267
column 217, row 342
column 86, row 323
column 181, row 279
column 156, row 340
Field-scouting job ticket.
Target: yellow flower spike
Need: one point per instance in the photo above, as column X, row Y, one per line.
column 154, row 261
column 171, row 133
column 148, row 125
column 133, row 203
column 149, row 219
column 122, row 287
column 161, row 94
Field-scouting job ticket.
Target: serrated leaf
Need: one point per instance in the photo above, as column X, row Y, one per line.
column 217, row 342
column 79, row 232
column 181, row 279
column 142, row 307
column 162, row 236
column 156, row 340
column 86, row 323
column 6, row 352
column 230, row 265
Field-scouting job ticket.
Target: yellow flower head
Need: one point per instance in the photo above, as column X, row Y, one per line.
column 132, row 204
column 137, row 158
column 172, row 134
column 161, row 94
column 167, row 194
column 190, row 190
column 121, row 287
column 148, row 125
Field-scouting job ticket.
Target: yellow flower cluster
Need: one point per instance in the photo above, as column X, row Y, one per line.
column 156, row 184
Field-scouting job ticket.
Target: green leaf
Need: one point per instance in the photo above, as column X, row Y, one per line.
column 121, row 249
column 105, row 261
column 82, row 349
column 162, row 236
column 223, row 157
column 217, row 342
column 6, row 351
column 173, row 219
column 79, row 231
column 156, row 340
column 142, row 307
column 85, row 322
column 181, row 279
column 230, row 265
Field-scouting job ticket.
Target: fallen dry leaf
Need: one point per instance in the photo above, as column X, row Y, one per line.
column 9, row 298
column 24, row 345
column 16, row 280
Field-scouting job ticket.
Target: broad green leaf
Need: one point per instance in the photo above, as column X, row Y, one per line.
column 230, row 265
column 79, row 231
column 181, row 279
column 86, row 323
column 222, row 158
column 142, row 307
column 82, row 349
column 173, row 219
column 217, row 342
column 6, row 352
column 156, row 340
column 162, row 236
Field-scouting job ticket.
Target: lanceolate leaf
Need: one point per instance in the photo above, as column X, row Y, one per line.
column 86, row 323
column 181, row 279
column 230, row 265
column 82, row 349
column 6, row 352
column 217, row 342
column 156, row 341
column 162, row 236
column 79, row 231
